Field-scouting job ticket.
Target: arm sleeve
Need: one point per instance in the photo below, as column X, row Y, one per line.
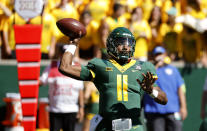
column 88, row 72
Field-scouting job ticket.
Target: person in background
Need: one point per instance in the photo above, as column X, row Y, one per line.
column 170, row 116
column 66, row 100
column 65, row 8
column 5, row 13
column 48, row 37
column 169, row 5
column 155, row 22
column 116, row 19
column 148, row 6
column 142, row 32
column 197, row 9
column 190, row 48
column 89, row 44
column 171, row 34
column 91, row 98
column 99, row 9
column 120, row 80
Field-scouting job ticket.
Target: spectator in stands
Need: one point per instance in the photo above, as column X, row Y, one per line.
column 89, row 44
column 169, row 5
column 170, row 116
column 116, row 19
column 66, row 100
column 197, row 9
column 190, row 48
column 99, row 9
column 171, row 33
column 91, row 98
column 155, row 23
column 48, row 39
column 5, row 13
column 142, row 32
column 129, row 6
column 148, row 5
column 65, row 9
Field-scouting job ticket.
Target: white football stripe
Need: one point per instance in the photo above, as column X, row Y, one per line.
column 29, row 118
column 29, row 64
column 24, row 46
column 29, row 100
column 30, row 82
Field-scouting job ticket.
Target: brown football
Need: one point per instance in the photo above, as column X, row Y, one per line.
column 71, row 27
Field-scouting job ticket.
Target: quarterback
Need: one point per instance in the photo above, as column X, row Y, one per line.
column 120, row 80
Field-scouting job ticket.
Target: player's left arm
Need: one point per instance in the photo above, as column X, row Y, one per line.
column 155, row 92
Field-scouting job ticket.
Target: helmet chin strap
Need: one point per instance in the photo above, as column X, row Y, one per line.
column 121, row 59
column 124, row 59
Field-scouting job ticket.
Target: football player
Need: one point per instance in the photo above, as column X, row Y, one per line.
column 120, row 80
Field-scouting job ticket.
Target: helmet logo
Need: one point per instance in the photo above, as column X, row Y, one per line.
column 126, row 34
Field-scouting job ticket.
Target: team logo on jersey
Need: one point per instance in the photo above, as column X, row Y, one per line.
column 137, row 68
column 109, row 69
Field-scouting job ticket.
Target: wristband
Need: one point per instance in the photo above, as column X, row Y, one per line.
column 154, row 93
column 71, row 49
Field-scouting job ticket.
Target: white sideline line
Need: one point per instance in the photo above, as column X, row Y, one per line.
column 29, row 82
column 29, row 100
column 29, row 118
column 33, row 46
column 14, row 62
column 28, row 64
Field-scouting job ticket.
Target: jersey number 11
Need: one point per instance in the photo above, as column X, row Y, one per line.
column 122, row 86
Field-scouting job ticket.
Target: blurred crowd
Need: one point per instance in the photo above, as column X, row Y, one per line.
column 177, row 25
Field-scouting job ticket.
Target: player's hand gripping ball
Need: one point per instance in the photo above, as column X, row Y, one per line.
column 71, row 28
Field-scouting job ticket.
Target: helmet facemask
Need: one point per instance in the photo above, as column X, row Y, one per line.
column 124, row 54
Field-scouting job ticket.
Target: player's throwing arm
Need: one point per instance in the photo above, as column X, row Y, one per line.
column 74, row 30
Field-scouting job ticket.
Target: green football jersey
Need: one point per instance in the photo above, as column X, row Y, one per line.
column 120, row 94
